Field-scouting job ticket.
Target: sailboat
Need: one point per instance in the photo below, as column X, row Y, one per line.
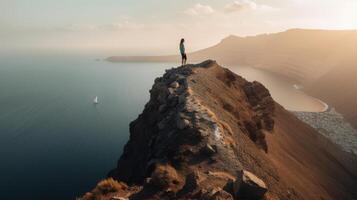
column 95, row 101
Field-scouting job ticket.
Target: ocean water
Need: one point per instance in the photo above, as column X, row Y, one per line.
column 54, row 143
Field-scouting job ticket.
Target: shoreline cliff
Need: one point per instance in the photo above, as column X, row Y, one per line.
column 207, row 133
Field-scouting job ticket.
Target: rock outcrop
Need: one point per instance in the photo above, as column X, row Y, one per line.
column 249, row 186
column 205, row 134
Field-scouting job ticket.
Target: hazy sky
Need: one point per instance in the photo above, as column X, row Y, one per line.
column 155, row 26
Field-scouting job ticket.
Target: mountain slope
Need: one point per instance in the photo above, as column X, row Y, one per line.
column 207, row 133
column 338, row 87
column 320, row 60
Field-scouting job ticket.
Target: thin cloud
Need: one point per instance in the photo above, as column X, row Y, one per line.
column 242, row 5
column 119, row 26
column 126, row 25
column 200, row 10
column 75, row 28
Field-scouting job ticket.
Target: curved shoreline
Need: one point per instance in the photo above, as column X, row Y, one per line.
column 325, row 105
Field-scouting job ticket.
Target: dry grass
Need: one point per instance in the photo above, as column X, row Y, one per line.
column 103, row 188
column 109, row 186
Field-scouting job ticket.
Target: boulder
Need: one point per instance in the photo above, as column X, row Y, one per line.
column 213, row 194
column 161, row 98
column 162, row 108
column 249, row 186
column 193, row 180
column 161, row 125
column 118, row 198
column 182, row 123
column 182, row 99
column 209, row 150
column 174, row 84
column 171, row 91
column 221, row 195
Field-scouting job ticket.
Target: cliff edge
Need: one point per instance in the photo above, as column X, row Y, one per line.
column 207, row 133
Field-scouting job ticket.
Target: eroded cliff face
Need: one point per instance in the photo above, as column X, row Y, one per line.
column 179, row 123
column 203, row 135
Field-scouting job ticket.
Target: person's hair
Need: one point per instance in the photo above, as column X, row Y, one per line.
column 182, row 40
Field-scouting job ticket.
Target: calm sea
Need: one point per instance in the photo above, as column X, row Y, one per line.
column 54, row 143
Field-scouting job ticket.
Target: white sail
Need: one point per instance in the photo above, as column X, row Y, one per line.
column 95, row 101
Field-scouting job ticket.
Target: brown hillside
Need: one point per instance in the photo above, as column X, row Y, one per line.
column 207, row 133
column 324, row 61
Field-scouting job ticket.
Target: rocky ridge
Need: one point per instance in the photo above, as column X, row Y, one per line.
column 179, row 148
column 207, row 133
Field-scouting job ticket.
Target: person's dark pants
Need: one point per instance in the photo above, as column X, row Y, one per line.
column 184, row 58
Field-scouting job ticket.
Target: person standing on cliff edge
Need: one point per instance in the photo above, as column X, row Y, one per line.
column 183, row 53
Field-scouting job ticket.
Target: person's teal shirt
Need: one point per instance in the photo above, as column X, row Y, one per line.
column 182, row 48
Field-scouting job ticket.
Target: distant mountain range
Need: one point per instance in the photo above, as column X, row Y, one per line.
column 324, row 62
